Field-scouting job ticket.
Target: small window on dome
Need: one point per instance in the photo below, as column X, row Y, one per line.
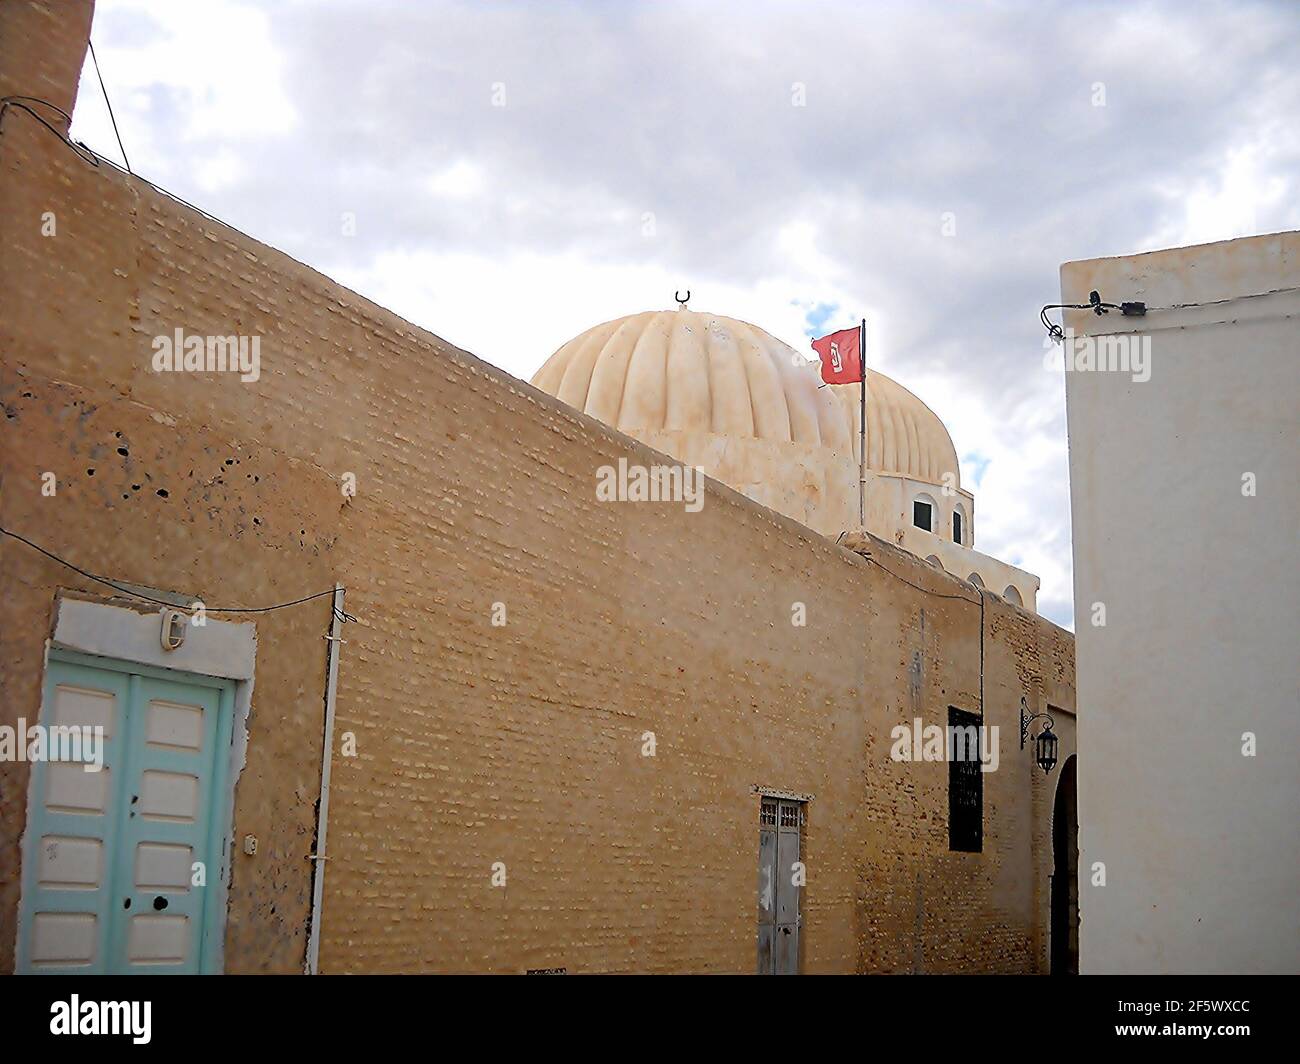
column 958, row 533
column 923, row 515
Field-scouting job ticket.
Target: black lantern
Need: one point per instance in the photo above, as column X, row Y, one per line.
column 1045, row 742
column 1045, row 748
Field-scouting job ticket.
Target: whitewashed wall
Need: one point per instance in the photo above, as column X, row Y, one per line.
column 1201, row 845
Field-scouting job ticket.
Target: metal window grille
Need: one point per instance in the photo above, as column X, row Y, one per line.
column 965, row 790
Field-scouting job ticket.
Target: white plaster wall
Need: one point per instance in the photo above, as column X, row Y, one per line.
column 1201, row 845
column 889, row 506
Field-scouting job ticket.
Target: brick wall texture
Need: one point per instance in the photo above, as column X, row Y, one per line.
column 477, row 743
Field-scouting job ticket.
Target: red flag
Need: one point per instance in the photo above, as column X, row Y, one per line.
column 841, row 355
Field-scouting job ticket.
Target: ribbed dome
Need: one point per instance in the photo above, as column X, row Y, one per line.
column 903, row 434
column 682, row 370
column 678, row 369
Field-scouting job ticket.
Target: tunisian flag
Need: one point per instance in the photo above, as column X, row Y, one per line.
column 841, row 355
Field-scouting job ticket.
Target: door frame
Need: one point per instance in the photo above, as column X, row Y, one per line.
column 801, row 803
column 123, row 637
column 1063, row 881
column 218, row 843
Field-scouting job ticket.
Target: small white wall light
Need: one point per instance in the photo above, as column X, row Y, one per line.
column 173, row 629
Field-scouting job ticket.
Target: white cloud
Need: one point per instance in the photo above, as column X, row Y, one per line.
column 461, row 180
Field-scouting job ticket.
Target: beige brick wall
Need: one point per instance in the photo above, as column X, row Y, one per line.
column 42, row 47
column 475, row 743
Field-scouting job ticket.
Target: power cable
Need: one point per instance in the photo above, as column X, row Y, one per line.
column 899, row 576
column 21, row 103
column 112, row 118
column 163, row 602
column 1135, row 309
column 936, row 594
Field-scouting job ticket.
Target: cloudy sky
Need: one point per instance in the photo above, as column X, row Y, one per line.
column 518, row 172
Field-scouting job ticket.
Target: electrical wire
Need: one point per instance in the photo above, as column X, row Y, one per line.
column 899, row 576
column 93, row 157
column 936, row 594
column 163, row 602
column 1231, row 299
column 109, row 103
column 925, row 590
column 1140, row 310
column 1094, row 304
column 1053, row 330
column 21, row 103
column 44, row 103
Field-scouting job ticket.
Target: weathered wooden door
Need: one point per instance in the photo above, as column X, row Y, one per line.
column 779, row 886
column 121, row 864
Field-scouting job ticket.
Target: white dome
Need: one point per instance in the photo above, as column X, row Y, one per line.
column 687, row 371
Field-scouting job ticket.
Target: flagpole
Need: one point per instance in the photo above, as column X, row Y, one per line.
column 862, row 428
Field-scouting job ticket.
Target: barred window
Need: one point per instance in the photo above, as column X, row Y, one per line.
column 965, row 783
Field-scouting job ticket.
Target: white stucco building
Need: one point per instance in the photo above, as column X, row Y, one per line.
column 1183, row 446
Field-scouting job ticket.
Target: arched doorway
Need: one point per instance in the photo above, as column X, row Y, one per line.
column 1063, row 942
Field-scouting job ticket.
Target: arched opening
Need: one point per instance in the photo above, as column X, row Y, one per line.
column 974, row 578
column 959, row 525
column 1012, row 595
column 1063, row 935
column 933, row 560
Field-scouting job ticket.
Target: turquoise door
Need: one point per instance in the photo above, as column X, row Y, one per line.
column 122, row 866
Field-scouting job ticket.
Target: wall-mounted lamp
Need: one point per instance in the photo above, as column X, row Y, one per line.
column 173, row 629
column 1045, row 742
